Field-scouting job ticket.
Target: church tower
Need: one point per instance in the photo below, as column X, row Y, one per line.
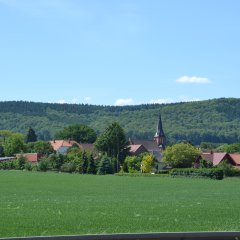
column 160, row 137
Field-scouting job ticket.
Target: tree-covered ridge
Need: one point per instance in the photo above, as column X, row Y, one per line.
column 216, row 120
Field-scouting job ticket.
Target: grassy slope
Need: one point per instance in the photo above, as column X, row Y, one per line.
column 56, row 204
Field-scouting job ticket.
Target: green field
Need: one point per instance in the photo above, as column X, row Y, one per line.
column 33, row 203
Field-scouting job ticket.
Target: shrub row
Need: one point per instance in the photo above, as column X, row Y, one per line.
column 122, row 174
column 212, row 173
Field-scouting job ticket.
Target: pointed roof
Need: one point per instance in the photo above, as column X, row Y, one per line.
column 159, row 132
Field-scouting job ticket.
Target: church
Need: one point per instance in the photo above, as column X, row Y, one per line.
column 154, row 146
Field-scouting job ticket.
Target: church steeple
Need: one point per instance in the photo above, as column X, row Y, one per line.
column 160, row 137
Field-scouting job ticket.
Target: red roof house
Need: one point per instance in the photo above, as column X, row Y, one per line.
column 62, row 146
column 218, row 157
column 31, row 157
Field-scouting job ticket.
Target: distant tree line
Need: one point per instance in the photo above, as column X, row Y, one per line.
column 215, row 121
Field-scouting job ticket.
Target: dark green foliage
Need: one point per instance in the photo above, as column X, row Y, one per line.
column 163, row 172
column 40, row 147
column 205, row 164
column 212, row 173
column 79, row 133
column 44, row 165
column 69, row 167
column 31, row 136
column 8, row 165
column 105, row 165
column 28, row 166
column 1, row 151
column 123, row 174
column 84, row 162
column 229, row 148
column 21, row 161
column 228, row 169
column 56, row 160
column 91, row 166
column 13, row 145
column 214, row 120
column 113, row 143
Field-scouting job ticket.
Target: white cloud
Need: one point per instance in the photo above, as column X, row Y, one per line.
column 193, row 79
column 62, row 101
column 75, row 101
column 161, row 100
column 87, row 99
column 188, row 99
column 124, row 102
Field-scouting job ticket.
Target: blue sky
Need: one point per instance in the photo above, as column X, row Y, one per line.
column 117, row 52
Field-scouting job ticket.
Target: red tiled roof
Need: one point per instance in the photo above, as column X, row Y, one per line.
column 218, row 157
column 56, row 144
column 31, row 157
column 215, row 157
column 236, row 158
column 134, row 147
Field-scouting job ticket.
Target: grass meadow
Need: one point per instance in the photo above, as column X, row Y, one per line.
column 34, row 203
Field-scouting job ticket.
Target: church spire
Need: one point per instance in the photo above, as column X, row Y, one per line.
column 160, row 137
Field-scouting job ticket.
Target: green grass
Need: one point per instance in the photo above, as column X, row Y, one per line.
column 33, row 203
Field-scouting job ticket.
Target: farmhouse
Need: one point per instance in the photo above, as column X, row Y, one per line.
column 218, row 157
column 62, row 146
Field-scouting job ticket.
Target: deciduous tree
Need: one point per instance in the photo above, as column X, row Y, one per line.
column 181, row 155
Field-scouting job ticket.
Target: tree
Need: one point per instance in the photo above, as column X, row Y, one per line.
column 113, row 143
column 31, row 136
column 79, row 133
column 180, row 155
column 1, row 150
column 13, row 145
column 147, row 163
column 40, row 147
column 133, row 164
column 91, row 168
column 229, row 148
column 84, row 162
column 105, row 166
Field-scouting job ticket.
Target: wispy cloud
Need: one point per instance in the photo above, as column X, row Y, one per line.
column 61, row 101
column 161, row 100
column 87, row 99
column 188, row 99
column 124, row 102
column 193, row 79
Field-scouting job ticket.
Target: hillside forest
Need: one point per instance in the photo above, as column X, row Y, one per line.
column 216, row 120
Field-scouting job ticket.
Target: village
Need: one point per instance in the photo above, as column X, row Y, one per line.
column 132, row 156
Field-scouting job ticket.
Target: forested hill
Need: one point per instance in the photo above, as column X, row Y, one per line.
column 216, row 120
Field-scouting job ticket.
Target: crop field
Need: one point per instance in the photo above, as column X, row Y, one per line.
column 33, row 203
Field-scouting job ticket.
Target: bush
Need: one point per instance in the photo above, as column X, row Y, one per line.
column 163, row 172
column 69, row 167
column 228, row 170
column 44, row 165
column 7, row 165
column 28, row 166
column 213, row 173
column 122, row 174
column 21, row 161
